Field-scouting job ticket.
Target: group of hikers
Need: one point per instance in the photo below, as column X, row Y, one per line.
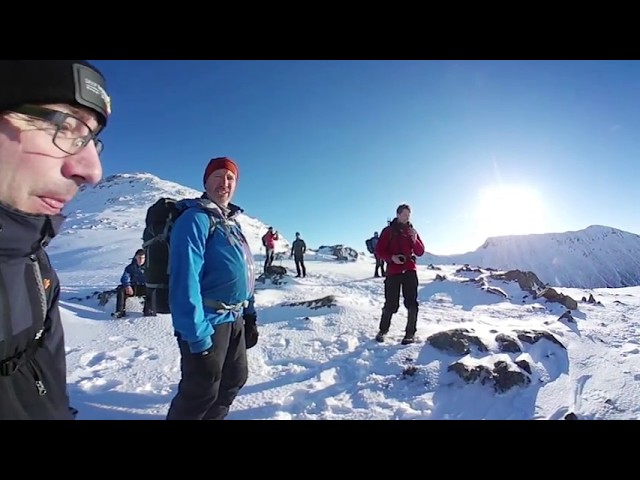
column 298, row 250
column 51, row 115
column 133, row 282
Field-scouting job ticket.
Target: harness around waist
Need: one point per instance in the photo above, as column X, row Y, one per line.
column 221, row 307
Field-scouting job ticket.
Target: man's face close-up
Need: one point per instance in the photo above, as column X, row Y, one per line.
column 221, row 186
column 38, row 176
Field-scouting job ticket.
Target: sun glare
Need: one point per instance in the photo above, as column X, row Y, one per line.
column 510, row 210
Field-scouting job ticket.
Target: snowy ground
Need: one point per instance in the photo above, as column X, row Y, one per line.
column 324, row 364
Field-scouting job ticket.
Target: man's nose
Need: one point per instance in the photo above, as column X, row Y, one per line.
column 85, row 166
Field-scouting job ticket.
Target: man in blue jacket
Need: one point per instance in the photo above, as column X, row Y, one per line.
column 132, row 284
column 211, row 296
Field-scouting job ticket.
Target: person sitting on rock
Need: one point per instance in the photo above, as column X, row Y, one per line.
column 132, row 284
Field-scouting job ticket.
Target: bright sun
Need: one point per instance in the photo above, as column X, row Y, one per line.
column 510, row 210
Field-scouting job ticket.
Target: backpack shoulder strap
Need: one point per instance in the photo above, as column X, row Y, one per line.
column 213, row 223
column 391, row 235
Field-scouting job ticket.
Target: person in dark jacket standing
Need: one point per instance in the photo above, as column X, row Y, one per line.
column 51, row 113
column 298, row 249
column 399, row 245
column 379, row 262
column 132, row 284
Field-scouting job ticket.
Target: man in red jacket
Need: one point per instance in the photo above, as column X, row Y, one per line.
column 399, row 245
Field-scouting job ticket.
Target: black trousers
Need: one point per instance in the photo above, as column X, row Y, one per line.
column 268, row 258
column 156, row 301
column 210, row 383
column 121, row 296
column 379, row 266
column 299, row 259
column 406, row 282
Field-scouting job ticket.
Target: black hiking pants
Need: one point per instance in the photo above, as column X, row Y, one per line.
column 268, row 260
column 156, row 301
column 406, row 282
column 299, row 259
column 210, row 383
column 121, row 296
column 379, row 266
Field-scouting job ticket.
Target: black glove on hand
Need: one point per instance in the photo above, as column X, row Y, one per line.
column 250, row 329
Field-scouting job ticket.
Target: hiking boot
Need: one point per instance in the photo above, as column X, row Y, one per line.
column 119, row 314
column 380, row 336
column 408, row 339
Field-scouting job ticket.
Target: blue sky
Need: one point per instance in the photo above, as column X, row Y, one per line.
column 330, row 148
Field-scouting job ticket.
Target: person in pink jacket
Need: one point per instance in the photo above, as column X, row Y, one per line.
column 269, row 242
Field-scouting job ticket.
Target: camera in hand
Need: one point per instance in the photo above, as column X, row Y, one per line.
column 402, row 258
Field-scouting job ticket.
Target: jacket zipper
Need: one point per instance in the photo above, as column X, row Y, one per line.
column 43, row 305
column 38, row 379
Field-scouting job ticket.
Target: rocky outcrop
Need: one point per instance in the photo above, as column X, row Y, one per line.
column 456, row 342
column 340, row 252
column 325, row 302
column 501, row 374
column 529, row 282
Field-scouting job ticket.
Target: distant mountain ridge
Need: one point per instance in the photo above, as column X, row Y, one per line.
column 595, row 257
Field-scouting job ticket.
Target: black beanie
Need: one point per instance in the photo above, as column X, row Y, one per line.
column 73, row 82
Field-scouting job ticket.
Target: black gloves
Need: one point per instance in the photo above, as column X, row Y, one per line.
column 250, row 329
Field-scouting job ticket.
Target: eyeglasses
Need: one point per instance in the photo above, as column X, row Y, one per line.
column 71, row 135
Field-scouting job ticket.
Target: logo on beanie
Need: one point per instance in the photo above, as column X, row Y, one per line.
column 90, row 91
column 96, row 88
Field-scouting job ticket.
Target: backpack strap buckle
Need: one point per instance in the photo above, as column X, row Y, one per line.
column 221, row 307
column 8, row 367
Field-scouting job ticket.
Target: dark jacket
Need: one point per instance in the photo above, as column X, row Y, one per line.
column 31, row 387
column 133, row 275
column 395, row 240
column 374, row 244
column 298, row 247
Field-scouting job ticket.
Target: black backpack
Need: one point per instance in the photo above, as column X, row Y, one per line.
column 369, row 243
column 160, row 218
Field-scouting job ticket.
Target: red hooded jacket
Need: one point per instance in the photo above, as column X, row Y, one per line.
column 269, row 239
column 395, row 240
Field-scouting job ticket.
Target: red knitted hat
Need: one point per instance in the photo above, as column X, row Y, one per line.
column 217, row 164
